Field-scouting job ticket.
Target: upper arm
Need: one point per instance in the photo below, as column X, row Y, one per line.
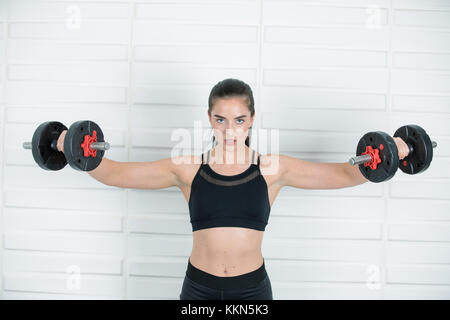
column 303, row 174
column 147, row 175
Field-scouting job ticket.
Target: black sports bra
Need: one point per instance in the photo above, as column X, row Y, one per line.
column 240, row 200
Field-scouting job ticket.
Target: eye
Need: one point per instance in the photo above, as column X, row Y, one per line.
column 240, row 120
column 219, row 120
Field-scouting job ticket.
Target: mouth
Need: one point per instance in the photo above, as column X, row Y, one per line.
column 230, row 141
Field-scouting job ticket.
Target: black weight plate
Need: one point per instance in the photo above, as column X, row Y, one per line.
column 72, row 145
column 389, row 156
column 41, row 146
column 419, row 160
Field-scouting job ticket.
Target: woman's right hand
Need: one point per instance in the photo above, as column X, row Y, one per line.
column 60, row 143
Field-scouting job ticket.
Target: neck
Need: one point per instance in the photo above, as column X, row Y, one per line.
column 231, row 156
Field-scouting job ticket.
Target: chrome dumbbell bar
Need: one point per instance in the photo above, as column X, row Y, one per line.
column 366, row 158
column 94, row 145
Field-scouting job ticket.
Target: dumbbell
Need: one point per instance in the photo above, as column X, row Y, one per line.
column 377, row 153
column 84, row 145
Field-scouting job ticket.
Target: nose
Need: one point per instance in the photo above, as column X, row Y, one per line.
column 229, row 131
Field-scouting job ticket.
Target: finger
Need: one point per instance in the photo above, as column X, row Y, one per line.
column 404, row 152
column 406, row 149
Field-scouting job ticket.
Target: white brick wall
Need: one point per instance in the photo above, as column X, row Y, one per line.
column 324, row 73
column 3, row 30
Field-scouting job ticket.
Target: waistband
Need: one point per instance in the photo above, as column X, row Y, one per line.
column 242, row 281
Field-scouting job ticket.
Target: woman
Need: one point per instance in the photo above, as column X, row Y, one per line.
column 230, row 194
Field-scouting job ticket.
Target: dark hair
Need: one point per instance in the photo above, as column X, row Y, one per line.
column 229, row 88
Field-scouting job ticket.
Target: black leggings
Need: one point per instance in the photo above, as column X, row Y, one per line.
column 200, row 285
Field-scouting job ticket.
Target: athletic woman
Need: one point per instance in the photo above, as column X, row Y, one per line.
column 229, row 194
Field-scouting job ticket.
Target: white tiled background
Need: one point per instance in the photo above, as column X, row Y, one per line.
column 323, row 73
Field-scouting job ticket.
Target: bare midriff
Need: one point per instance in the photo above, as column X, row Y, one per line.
column 227, row 251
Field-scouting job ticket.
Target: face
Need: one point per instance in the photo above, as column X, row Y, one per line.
column 230, row 119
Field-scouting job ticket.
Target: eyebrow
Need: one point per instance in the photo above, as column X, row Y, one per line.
column 219, row 116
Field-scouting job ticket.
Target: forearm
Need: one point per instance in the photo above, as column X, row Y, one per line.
column 105, row 171
column 354, row 174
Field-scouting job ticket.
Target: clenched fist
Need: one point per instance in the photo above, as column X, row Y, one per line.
column 60, row 143
column 402, row 147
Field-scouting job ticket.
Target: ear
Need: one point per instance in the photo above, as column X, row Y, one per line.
column 209, row 117
column 252, row 120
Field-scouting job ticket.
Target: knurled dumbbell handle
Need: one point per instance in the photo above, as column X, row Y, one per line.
column 360, row 159
column 366, row 158
column 100, row 145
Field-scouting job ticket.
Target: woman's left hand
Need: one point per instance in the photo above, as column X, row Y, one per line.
column 402, row 147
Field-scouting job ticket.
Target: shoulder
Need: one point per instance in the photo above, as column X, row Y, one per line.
column 185, row 167
column 273, row 165
column 183, row 163
column 186, row 159
column 273, row 159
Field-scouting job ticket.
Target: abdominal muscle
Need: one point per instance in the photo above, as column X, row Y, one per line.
column 227, row 251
